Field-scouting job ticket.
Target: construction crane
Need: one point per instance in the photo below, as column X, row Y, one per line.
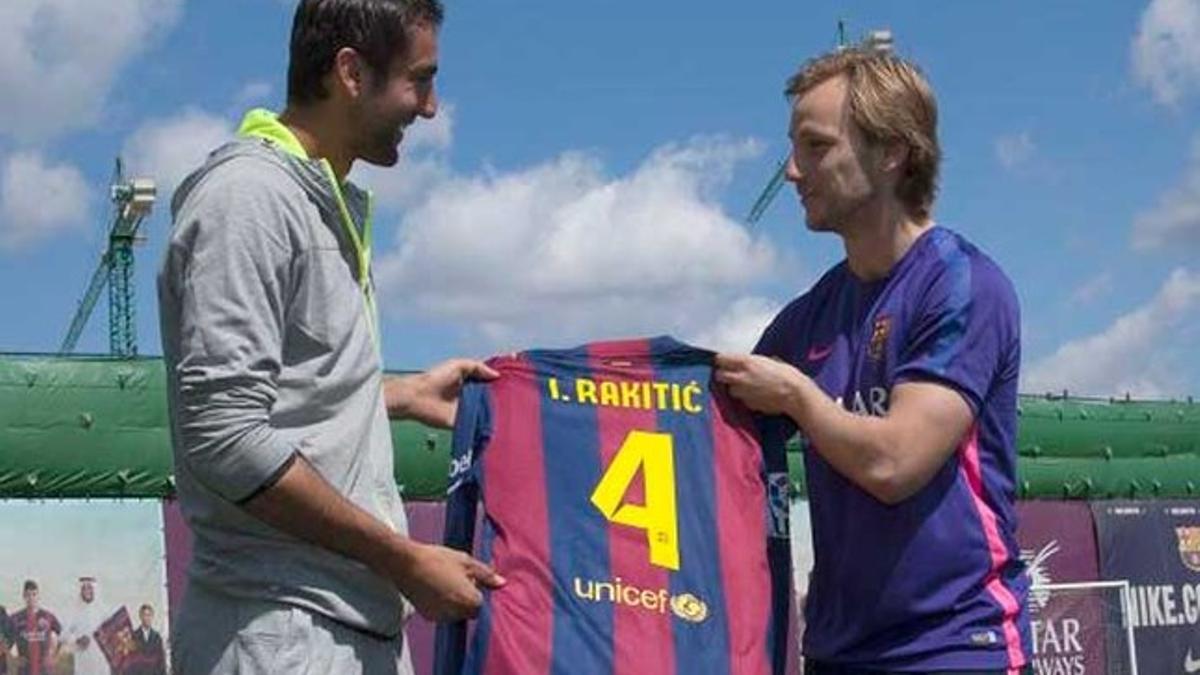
column 132, row 200
column 878, row 40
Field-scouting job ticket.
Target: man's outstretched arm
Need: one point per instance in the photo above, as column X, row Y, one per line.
column 441, row 583
column 891, row 457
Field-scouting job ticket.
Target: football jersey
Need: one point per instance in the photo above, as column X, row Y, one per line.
column 934, row 582
column 32, row 632
column 629, row 505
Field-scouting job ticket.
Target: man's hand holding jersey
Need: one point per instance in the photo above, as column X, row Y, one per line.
column 431, row 397
column 443, row 584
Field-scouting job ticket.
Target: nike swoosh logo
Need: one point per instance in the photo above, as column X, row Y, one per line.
column 818, row 353
column 1191, row 665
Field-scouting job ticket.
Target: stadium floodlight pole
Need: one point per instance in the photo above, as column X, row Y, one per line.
column 132, row 201
column 879, row 41
column 768, row 194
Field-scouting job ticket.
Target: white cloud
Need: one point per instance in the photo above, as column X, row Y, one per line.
column 1014, row 149
column 738, row 329
column 1140, row 353
column 560, row 251
column 1175, row 221
column 59, row 58
column 435, row 134
column 1166, row 49
column 39, row 201
column 168, row 149
column 1093, row 289
column 423, row 164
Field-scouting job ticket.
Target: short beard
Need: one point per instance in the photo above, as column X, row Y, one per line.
column 380, row 151
column 376, row 142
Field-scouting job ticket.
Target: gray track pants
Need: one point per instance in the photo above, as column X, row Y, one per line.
column 220, row 635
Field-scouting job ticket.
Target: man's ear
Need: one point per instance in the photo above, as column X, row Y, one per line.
column 895, row 156
column 349, row 73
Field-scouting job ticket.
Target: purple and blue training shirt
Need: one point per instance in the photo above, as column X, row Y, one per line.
column 934, row 582
column 632, row 510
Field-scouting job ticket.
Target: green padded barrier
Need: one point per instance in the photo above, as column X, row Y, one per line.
column 75, row 427
column 83, row 427
column 1091, row 429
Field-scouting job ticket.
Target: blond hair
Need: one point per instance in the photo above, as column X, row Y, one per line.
column 890, row 101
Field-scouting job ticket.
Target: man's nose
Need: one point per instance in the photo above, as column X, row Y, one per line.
column 429, row 105
column 792, row 170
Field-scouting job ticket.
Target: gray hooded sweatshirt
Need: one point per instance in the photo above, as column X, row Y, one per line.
column 268, row 329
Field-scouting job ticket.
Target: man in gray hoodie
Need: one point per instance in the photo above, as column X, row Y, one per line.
column 279, row 407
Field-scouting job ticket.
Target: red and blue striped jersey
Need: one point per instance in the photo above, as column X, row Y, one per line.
column 32, row 628
column 628, row 502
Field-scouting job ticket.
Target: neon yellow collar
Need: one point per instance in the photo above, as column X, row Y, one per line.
column 263, row 123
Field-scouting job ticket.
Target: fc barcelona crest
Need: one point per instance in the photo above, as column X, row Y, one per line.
column 1189, row 546
column 879, row 337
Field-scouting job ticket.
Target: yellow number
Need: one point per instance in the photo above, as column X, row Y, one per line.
column 654, row 454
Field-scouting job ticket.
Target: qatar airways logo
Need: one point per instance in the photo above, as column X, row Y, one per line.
column 873, row 402
column 1059, row 635
column 1038, row 569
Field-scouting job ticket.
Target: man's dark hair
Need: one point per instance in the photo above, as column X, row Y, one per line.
column 145, row 607
column 30, row 585
column 376, row 29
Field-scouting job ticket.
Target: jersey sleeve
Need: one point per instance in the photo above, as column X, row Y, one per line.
column 779, row 336
column 966, row 331
column 472, row 431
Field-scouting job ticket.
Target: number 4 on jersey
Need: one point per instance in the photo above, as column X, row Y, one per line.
column 654, row 454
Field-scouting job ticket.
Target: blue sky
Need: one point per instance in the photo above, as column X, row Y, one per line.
column 592, row 162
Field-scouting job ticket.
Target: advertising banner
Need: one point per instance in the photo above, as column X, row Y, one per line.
column 1156, row 546
column 802, row 564
column 426, row 521
column 1058, row 545
column 82, row 581
column 179, row 551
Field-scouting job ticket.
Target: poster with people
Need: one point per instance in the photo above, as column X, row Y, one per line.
column 802, row 564
column 70, row 572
